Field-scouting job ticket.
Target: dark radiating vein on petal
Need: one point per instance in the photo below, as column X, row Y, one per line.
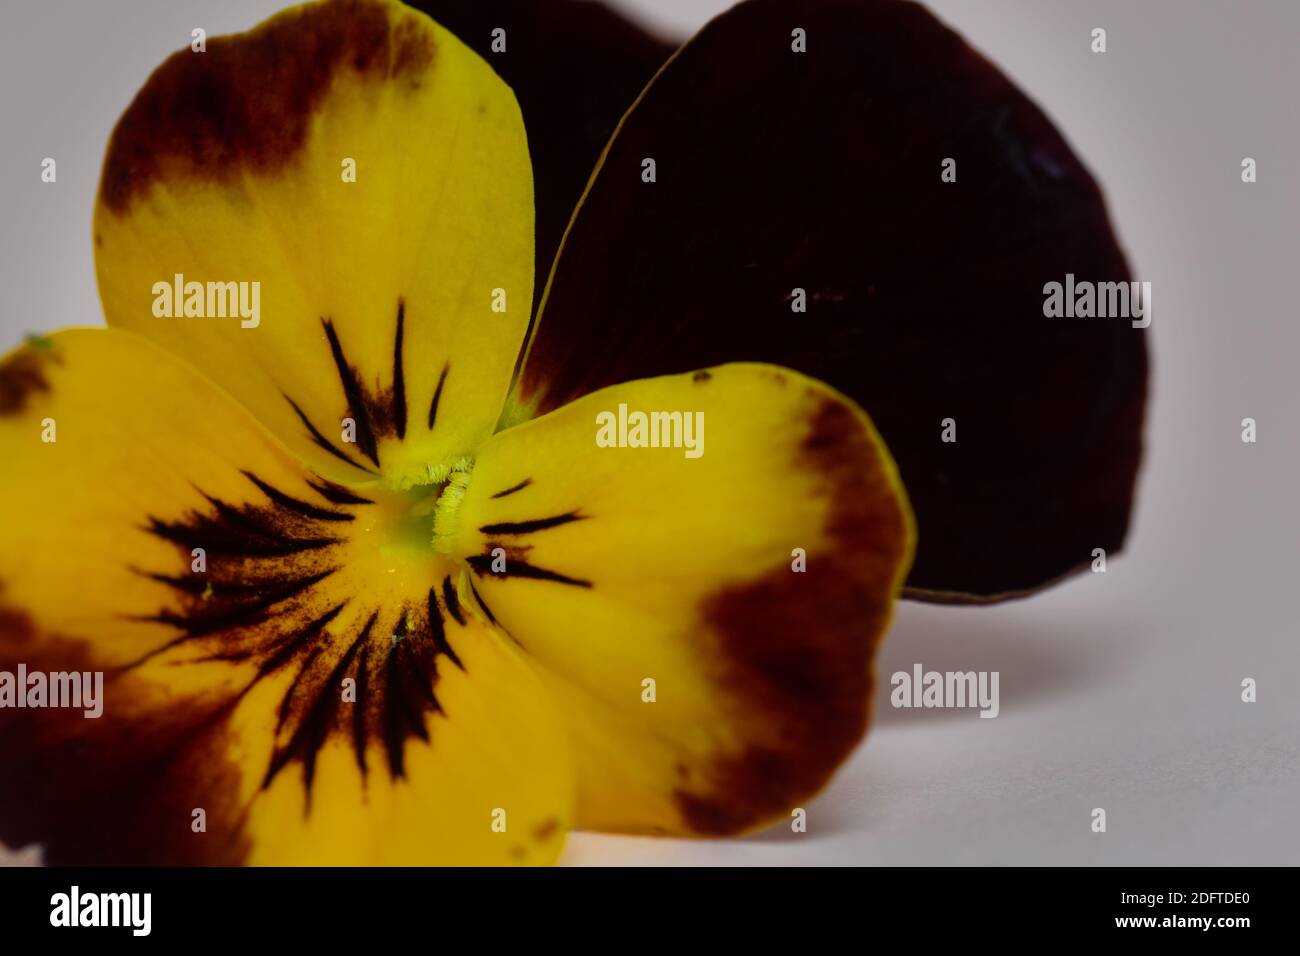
column 315, row 726
column 358, row 406
column 296, row 504
column 452, row 600
column 513, row 488
column 483, row 605
column 223, row 615
column 437, row 396
column 532, row 526
column 289, row 649
column 398, row 413
column 410, row 672
column 482, row 564
column 237, row 613
column 222, row 537
column 323, row 442
column 337, row 494
column 438, row 631
column 360, row 706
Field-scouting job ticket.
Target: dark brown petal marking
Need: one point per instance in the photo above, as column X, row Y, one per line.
column 324, row 442
column 529, row 527
column 546, row 829
column 118, row 790
column 296, row 505
column 237, row 609
column 375, row 415
column 438, row 630
column 245, row 105
column 244, row 531
column 482, row 564
column 394, row 665
column 487, row 611
column 513, row 488
column 450, row 598
column 359, row 403
column 288, row 650
column 797, row 648
column 313, row 709
column 359, row 715
column 337, row 494
column 437, row 395
column 261, row 600
column 398, row 397
column 21, row 374
column 517, row 565
column 410, row 670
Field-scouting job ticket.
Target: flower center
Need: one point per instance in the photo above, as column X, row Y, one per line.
column 404, row 521
column 407, row 521
column 447, row 508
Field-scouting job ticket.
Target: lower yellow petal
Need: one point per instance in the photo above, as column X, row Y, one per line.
column 706, row 614
column 286, row 676
column 492, row 784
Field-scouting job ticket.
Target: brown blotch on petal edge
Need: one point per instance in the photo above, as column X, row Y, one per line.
column 546, row 829
column 22, row 374
column 119, row 789
column 245, row 104
column 798, row 647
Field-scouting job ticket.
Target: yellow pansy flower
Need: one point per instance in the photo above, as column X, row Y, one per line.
column 345, row 614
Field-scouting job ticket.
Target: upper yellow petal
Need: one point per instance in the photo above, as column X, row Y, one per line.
column 362, row 179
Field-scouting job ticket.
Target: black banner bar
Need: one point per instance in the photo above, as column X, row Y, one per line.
column 331, row 906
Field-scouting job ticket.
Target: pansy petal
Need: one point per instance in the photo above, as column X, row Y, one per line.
column 576, row 66
column 799, row 214
column 371, row 174
column 745, row 588
column 275, row 653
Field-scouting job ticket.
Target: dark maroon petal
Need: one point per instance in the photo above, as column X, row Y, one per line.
column 779, row 170
column 575, row 67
